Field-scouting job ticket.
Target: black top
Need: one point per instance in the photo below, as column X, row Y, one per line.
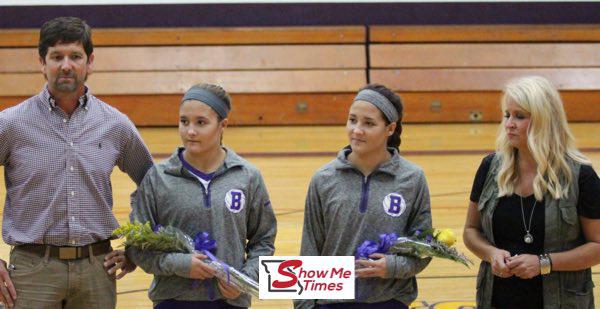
column 509, row 231
column 588, row 204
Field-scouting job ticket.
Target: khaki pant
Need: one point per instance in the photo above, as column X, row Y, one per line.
column 45, row 282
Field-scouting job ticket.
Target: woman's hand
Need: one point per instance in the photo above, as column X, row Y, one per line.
column 118, row 260
column 227, row 290
column 372, row 268
column 498, row 260
column 199, row 269
column 524, row 266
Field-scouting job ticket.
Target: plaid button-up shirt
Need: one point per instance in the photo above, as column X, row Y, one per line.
column 57, row 169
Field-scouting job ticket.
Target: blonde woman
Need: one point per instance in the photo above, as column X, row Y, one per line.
column 534, row 215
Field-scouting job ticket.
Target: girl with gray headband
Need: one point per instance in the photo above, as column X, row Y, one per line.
column 368, row 190
column 204, row 188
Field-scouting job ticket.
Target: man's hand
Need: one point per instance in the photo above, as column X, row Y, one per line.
column 115, row 260
column 8, row 293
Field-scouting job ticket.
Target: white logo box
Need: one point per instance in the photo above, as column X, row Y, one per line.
column 306, row 277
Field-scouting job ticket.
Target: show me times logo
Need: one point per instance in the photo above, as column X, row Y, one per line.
column 306, row 277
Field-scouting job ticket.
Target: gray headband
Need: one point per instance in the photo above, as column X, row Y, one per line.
column 208, row 98
column 380, row 101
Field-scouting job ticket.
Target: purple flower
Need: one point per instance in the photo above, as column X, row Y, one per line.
column 157, row 228
column 369, row 247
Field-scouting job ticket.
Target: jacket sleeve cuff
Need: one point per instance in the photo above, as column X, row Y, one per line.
column 179, row 264
column 402, row 267
column 390, row 265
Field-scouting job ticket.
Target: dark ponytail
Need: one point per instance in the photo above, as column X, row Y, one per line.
column 394, row 140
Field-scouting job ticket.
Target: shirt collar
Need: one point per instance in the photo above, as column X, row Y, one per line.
column 388, row 167
column 174, row 166
column 48, row 99
column 193, row 170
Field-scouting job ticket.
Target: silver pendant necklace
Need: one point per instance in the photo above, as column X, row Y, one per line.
column 528, row 238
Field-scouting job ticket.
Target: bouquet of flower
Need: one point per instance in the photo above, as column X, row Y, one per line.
column 432, row 243
column 171, row 239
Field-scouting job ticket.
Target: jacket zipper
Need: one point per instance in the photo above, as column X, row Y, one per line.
column 206, row 194
column 364, row 195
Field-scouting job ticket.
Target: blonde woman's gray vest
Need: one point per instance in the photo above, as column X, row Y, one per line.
column 562, row 289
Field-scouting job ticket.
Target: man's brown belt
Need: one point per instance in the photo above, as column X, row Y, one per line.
column 68, row 253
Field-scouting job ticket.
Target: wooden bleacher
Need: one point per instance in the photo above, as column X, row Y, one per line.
column 278, row 76
column 456, row 73
column 309, row 75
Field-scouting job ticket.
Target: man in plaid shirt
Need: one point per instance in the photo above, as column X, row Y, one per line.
column 58, row 150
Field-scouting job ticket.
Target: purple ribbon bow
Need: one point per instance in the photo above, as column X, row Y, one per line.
column 203, row 243
column 368, row 247
column 208, row 246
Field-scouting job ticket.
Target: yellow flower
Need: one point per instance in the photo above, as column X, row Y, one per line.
column 446, row 236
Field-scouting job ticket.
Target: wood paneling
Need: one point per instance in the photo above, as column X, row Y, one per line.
column 510, row 55
column 456, row 73
column 248, row 109
column 324, row 108
column 19, row 37
column 485, row 33
column 308, row 75
column 201, row 36
column 448, row 107
column 320, row 35
column 19, row 60
column 202, row 58
column 15, row 84
column 282, row 109
column 481, row 79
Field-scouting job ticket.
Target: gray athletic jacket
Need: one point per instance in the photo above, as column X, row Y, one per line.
column 171, row 195
column 344, row 208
